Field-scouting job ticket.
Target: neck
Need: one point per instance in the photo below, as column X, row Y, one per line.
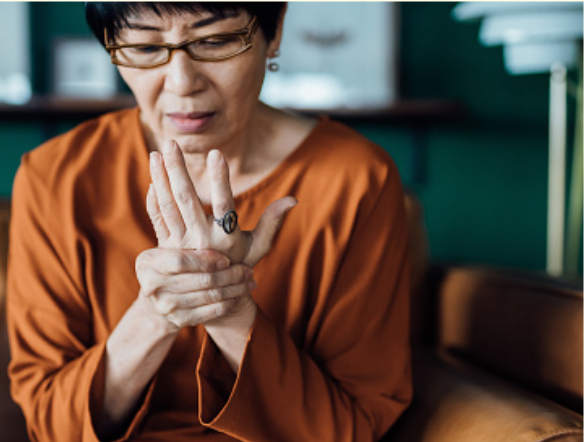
column 244, row 153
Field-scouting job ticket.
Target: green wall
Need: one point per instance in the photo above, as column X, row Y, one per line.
column 485, row 181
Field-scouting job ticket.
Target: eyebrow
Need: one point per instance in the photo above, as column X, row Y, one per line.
column 200, row 24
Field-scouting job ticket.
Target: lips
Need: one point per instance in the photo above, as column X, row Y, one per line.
column 191, row 122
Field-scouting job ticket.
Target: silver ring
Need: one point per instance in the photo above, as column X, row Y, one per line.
column 228, row 222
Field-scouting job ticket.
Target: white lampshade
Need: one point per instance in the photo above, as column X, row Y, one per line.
column 535, row 35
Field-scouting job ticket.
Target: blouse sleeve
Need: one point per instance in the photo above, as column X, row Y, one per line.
column 355, row 380
column 56, row 370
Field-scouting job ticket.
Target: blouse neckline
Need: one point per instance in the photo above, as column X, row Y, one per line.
column 264, row 182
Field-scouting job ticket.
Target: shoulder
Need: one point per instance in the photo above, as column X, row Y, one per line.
column 341, row 157
column 78, row 153
column 53, row 172
column 75, row 148
column 341, row 177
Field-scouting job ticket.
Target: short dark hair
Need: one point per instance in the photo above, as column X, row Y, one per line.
column 113, row 16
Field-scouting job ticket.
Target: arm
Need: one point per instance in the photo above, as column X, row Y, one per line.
column 350, row 379
column 180, row 223
column 55, row 360
column 177, row 289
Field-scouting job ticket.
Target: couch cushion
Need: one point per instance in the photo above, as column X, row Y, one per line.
column 526, row 328
column 12, row 424
column 456, row 402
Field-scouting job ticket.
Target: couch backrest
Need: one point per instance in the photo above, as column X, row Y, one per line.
column 4, row 223
column 419, row 261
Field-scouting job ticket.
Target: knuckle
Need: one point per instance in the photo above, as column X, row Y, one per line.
column 214, row 295
column 174, row 319
column 207, row 259
column 240, row 273
column 166, row 205
column 172, row 161
column 207, row 280
column 146, row 281
column 199, row 260
column 222, row 205
column 183, row 197
column 142, row 260
column 177, row 262
column 221, row 308
column 164, row 307
column 172, row 263
column 157, row 219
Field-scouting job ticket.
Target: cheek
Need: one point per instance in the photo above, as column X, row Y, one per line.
column 242, row 84
column 142, row 85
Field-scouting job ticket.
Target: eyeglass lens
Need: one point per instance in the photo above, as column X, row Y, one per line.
column 212, row 48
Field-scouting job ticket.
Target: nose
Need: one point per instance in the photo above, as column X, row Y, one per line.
column 183, row 75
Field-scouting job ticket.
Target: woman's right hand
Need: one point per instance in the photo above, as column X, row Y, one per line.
column 179, row 219
column 180, row 288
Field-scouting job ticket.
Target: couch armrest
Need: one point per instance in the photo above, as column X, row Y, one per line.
column 457, row 402
column 525, row 327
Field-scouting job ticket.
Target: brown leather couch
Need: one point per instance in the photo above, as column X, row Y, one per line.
column 497, row 353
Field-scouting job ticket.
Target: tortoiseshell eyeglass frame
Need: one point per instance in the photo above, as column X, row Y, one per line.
column 246, row 34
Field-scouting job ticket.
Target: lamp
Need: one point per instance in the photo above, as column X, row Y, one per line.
column 15, row 85
column 541, row 37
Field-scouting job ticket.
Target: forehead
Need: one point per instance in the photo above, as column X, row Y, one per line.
column 166, row 20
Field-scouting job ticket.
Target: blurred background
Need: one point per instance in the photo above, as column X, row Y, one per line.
column 469, row 138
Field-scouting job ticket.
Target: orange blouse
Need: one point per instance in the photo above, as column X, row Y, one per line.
column 328, row 357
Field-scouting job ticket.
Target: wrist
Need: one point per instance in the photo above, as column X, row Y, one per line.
column 231, row 332
column 159, row 326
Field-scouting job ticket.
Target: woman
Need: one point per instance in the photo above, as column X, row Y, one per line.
column 163, row 321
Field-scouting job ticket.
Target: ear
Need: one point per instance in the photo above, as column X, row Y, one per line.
column 275, row 43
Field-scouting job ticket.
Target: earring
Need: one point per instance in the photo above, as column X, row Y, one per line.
column 273, row 66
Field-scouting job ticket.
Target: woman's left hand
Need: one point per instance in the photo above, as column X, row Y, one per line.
column 179, row 219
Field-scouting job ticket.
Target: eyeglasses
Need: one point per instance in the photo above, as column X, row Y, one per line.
column 215, row 47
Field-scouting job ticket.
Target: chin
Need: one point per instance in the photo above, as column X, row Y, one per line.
column 188, row 145
column 194, row 143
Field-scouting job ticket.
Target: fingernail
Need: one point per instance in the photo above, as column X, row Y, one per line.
column 214, row 157
column 253, row 285
column 168, row 146
column 291, row 207
column 249, row 274
column 222, row 264
column 154, row 158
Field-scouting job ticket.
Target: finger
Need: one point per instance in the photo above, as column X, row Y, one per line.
column 159, row 261
column 166, row 203
column 221, row 194
column 171, row 302
column 201, row 281
column 202, row 314
column 156, row 218
column 267, row 227
column 183, row 190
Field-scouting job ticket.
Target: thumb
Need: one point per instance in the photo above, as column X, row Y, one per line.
column 267, row 227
